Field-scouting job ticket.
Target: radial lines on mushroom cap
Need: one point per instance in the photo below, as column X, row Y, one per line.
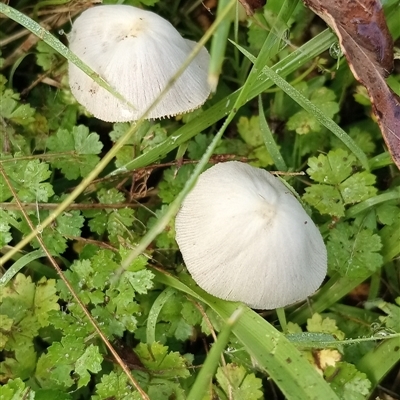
column 245, row 237
column 137, row 52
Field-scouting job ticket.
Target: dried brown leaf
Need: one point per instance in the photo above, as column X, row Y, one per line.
column 252, row 5
column 367, row 44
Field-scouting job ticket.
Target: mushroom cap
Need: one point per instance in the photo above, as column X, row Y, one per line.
column 245, row 237
column 137, row 52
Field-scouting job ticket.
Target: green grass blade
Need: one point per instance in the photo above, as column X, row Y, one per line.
column 380, row 360
column 173, row 208
column 55, row 44
column 389, row 195
column 312, row 109
column 269, row 141
column 302, row 55
column 200, row 386
column 269, row 49
column 294, row 375
column 19, row 264
column 154, row 313
column 218, row 45
column 118, row 145
column 390, row 243
column 332, row 291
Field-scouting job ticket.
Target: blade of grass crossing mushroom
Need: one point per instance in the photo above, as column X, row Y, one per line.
column 218, row 45
column 55, row 44
column 269, row 141
column 173, row 208
column 294, row 375
column 114, row 150
column 292, row 62
column 312, row 109
column 205, row 376
column 304, row 54
column 289, row 64
column 131, row 64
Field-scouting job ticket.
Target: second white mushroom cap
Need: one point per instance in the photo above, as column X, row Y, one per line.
column 137, row 52
column 245, row 237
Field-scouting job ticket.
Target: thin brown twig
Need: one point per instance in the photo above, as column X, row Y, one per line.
column 39, row 157
column 40, row 79
column 213, row 160
column 73, row 293
column 92, row 241
column 285, row 173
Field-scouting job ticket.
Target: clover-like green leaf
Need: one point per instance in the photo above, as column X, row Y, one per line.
column 54, row 369
column 331, row 169
column 15, row 389
column 85, row 142
column 337, row 186
column 303, row 122
column 353, row 251
column 115, row 386
column 82, row 147
column 91, row 361
column 324, row 325
column 160, row 361
column 238, row 383
column 5, row 235
column 347, row 381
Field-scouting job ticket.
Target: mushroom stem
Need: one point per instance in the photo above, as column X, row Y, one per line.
column 280, row 312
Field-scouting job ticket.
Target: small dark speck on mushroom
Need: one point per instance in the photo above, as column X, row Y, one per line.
column 305, row 222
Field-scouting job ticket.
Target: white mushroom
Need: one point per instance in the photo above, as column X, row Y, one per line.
column 245, row 237
column 137, row 52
